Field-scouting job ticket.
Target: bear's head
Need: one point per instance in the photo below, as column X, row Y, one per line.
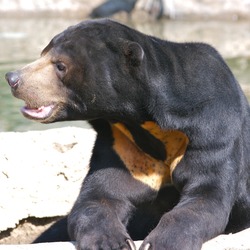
column 91, row 70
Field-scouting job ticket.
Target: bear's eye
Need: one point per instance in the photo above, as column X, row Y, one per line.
column 61, row 66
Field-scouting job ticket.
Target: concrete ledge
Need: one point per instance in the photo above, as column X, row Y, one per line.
column 44, row 169
column 41, row 246
column 238, row 241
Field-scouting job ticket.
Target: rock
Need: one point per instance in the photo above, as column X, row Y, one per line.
column 70, row 8
column 174, row 9
column 40, row 176
column 42, row 246
column 41, row 172
column 208, row 9
column 238, row 241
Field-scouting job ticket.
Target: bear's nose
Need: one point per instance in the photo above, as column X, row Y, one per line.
column 12, row 78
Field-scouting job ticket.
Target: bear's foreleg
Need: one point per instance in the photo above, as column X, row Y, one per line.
column 207, row 197
column 107, row 199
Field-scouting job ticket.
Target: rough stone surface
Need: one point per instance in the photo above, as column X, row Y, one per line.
column 40, row 176
column 175, row 9
column 41, row 172
column 239, row 241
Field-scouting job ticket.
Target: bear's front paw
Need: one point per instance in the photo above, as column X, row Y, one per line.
column 105, row 240
column 161, row 243
column 176, row 239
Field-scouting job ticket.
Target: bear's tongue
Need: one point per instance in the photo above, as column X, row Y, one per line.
column 37, row 113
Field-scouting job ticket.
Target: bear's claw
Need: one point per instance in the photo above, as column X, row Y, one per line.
column 131, row 244
column 147, row 247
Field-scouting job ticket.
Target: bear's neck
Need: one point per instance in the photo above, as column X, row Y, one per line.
column 148, row 152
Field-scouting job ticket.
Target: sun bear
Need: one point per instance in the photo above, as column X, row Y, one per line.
column 171, row 161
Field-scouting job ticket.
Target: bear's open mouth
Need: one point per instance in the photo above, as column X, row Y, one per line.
column 40, row 113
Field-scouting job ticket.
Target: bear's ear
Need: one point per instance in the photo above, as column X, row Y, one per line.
column 133, row 52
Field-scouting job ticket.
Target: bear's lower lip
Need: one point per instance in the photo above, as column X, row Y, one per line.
column 40, row 113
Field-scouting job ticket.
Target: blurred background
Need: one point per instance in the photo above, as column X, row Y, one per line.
column 26, row 27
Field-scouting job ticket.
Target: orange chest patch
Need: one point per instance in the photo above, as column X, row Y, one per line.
column 143, row 166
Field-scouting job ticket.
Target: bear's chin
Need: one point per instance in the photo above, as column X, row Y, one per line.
column 41, row 113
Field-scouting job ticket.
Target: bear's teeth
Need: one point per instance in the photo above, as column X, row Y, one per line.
column 40, row 109
column 37, row 113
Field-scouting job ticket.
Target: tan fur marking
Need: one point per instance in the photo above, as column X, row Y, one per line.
column 175, row 142
column 41, row 85
column 143, row 167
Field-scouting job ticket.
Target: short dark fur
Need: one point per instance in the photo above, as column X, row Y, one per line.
column 117, row 74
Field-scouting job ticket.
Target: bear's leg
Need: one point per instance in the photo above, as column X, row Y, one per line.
column 240, row 215
column 107, row 199
column 148, row 214
column 202, row 213
column 103, row 209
